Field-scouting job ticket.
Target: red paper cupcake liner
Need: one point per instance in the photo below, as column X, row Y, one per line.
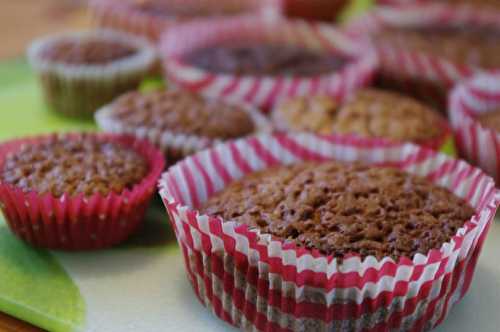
column 79, row 222
column 420, row 74
column 477, row 144
column 258, row 282
column 122, row 15
column 263, row 91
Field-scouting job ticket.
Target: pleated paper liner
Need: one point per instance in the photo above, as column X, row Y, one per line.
column 478, row 144
column 79, row 222
column 443, row 143
column 125, row 16
column 263, row 91
column 174, row 145
column 419, row 74
column 258, row 282
column 79, row 90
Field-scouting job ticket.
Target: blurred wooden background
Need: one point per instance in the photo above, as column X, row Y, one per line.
column 23, row 20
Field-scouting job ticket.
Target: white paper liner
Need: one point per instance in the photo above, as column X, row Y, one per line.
column 260, row 283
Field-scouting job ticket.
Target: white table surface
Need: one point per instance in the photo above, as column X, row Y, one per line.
column 478, row 311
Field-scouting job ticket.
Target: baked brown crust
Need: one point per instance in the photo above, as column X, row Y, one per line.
column 343, row 209
column 490, row 119
column 369, row 113
column 473, row 46
column 87, row 52
column 66, row 166
column 183, row 113
column 264, row 59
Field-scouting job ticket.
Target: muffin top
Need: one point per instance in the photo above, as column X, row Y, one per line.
column 474, row 46
column 74, row 166
column 343, row 209
column 168, row 9
column 182, row 112
column 87, row 52
column 490, row 119
column 369, row 113
column 264, row 59
column 487, row 4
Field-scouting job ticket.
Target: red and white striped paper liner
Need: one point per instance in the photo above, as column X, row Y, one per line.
column 263, row 91
column 478, row 144
column 79, row 222
column 257, row 282
column 421, row 74
column 123, row 15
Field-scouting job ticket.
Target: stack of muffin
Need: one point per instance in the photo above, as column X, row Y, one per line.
column 305, row 183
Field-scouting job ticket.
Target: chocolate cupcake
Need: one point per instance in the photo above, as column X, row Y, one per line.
column 341, row 209
column 179, row 122
column 80, row 72
column 149, row 18
column 425, row 49
column 368, row 114
column 76, row 191
column 481, row 4
column 264, row 59
column 260, row 61
column 343, row 245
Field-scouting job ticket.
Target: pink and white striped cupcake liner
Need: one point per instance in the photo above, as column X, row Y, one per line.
column 478, row 144
column 422, row 75
column 259, row 283
column 263, row 91
column 123, row 15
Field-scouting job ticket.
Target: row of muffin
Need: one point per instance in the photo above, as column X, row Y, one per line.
column 346, row 244
column 206, row 58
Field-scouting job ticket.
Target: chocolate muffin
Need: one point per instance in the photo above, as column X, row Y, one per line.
column 490, row 119
column 171, row 9
column 482, row 4
column 82, row 71
column 474, row 46
column 370, row 113
column 87, row 52
column 87, row 166
column 342, row 209
column 264, row 59
column 77, row 191
column 178, row 121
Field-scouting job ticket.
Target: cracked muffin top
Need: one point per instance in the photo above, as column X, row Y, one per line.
column 342, row 209
column 369, row 113
column 182, row 112
column 264, row 59
column 476, row 46
column 74, row 166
